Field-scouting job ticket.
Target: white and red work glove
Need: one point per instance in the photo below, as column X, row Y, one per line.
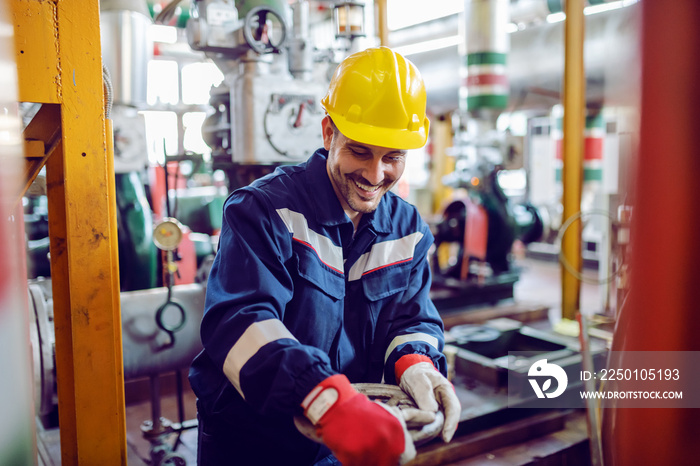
column 358, row 431
column 431, row 391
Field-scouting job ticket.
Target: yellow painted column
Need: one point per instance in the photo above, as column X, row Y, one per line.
column 572, row 173
column 441, row 164
column 382, row 29
column 59, row 61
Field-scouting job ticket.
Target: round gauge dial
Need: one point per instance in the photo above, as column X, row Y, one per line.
column 292, row 125
column 167, row 234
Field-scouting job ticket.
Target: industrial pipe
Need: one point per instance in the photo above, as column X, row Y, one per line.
column 485, row 86
column 611, row 57
column 382, row 28
column 146, row 347
column 574, row 93
column 127, row 47
column 301, row 50
column 661, row 311
column 529, row 11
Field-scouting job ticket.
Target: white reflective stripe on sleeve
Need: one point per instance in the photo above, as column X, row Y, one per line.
column 255, row 337
column 329, row 253
column 321, row 404
column 401, row 339
column 310, row 397
column 385, row 254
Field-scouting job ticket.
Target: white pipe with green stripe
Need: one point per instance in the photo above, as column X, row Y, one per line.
column 594, row 136
column 485, row 85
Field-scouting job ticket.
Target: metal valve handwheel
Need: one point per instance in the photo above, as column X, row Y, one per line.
column 391, row 395
column 255, row 30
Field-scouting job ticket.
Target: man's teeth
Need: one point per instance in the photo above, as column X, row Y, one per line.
column 365, row 187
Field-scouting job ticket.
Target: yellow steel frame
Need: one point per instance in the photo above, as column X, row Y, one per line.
column 59, row 65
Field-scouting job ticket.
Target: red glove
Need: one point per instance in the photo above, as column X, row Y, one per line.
column 358, row 431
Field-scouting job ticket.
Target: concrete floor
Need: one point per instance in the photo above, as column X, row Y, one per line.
column 539, row 284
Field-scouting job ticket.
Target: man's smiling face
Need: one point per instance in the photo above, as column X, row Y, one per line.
column 360, row 173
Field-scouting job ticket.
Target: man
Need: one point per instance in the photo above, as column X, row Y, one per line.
column 320, row 281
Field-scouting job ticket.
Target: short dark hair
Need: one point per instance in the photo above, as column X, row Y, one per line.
column 335, row 128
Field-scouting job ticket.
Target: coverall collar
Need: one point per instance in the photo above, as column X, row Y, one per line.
column 329, row 211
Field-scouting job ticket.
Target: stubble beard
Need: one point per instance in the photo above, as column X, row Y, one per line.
column 347, row 188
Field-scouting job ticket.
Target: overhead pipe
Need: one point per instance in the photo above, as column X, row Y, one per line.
column 531, row 11
column 611, row 57
column 301, row 49
column 484, row 90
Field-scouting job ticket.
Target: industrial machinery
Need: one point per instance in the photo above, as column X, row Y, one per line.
column 481, row 226
column 482, row 221
column 267, row 111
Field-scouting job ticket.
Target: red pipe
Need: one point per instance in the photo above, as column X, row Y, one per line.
column 662, row 312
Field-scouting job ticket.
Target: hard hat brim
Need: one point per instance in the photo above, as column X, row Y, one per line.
column 392, row 138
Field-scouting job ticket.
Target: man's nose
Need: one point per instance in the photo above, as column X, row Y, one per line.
column 374, row 171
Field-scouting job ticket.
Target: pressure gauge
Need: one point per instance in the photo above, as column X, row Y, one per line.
column 292, row 125
column 167, row 234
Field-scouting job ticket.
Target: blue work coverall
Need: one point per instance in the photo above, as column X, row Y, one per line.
column 294, row 297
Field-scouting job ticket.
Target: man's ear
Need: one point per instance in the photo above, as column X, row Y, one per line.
column 327, row 129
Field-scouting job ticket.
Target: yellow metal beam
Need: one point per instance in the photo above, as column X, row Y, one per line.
column 572, row 172
column 59, row 61
column 37, row 47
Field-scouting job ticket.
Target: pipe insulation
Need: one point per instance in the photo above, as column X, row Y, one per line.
column 127, row 47
column 487, row 45
column 535, row 65
column 147, row 349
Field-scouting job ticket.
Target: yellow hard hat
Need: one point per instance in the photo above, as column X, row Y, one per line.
column 377, row 97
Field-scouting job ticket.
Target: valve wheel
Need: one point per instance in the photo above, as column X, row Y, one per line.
column 255, row 20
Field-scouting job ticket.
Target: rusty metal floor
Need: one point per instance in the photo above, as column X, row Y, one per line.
column 138, row 410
